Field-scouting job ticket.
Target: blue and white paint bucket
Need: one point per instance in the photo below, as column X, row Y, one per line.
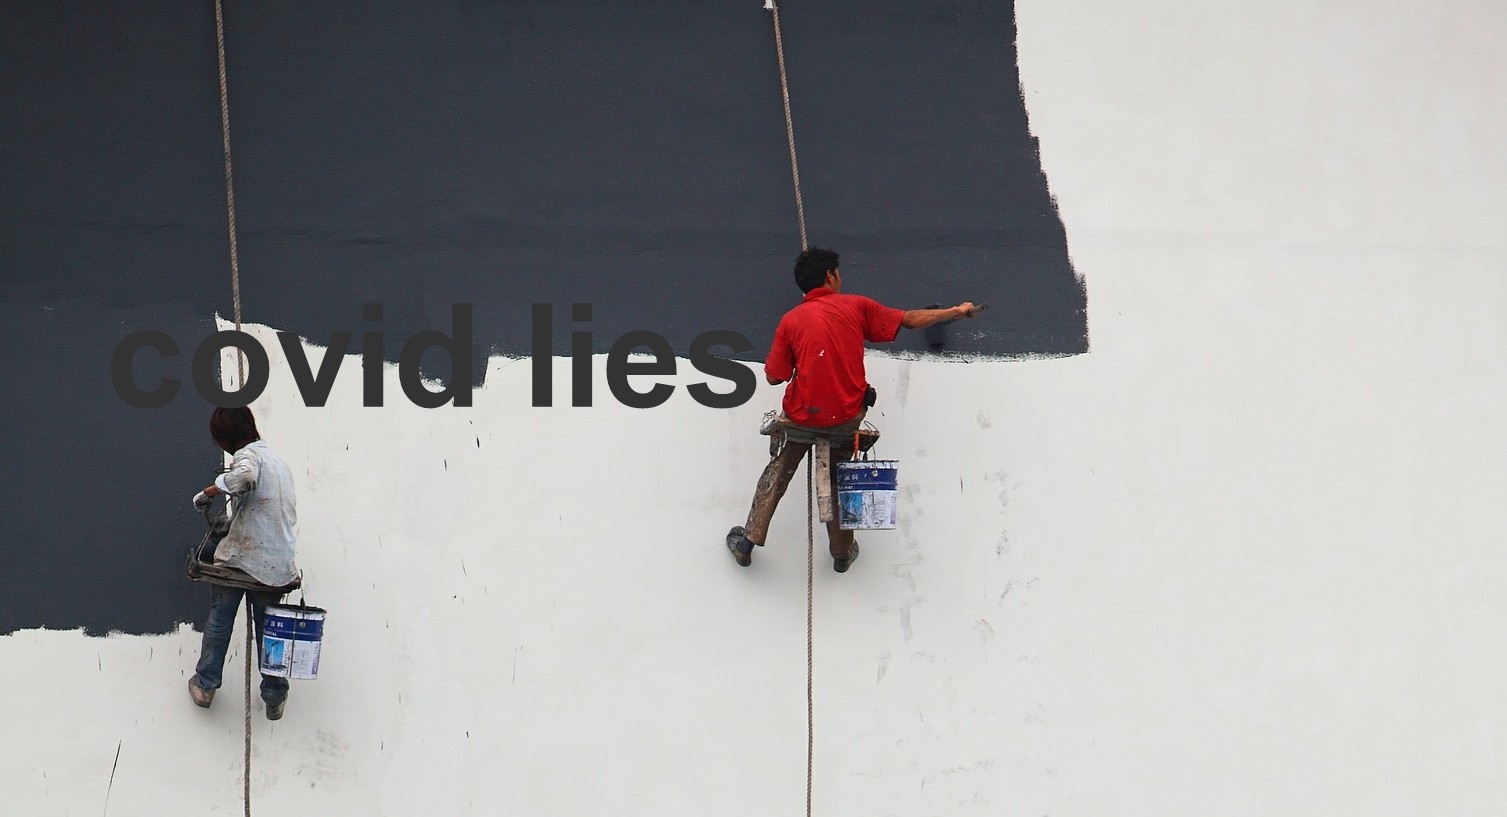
column 866, row 494
column 291, row 638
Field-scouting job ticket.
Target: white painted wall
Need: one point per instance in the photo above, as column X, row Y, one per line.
column 1242, row 559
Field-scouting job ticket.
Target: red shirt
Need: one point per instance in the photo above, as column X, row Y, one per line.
column 818, row 347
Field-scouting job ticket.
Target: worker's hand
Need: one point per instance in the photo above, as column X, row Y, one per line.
column 967, row 309
column 201, row 501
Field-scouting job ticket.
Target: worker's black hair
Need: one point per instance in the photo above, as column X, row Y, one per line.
column 812, row 267
column 233, row 428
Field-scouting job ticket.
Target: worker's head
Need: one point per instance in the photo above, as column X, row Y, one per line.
column 817, row 267
column 233, row 428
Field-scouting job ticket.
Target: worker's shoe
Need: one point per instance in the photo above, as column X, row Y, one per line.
column 841, row 565
column 741, row 548
column 275, row 710
column 202, row 697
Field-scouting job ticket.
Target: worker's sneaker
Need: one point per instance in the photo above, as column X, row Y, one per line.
column 202, row 697
column 842, row 565
column 275, row 710
column 741, row 548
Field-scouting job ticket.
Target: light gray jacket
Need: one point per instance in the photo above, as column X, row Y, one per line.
column 263, row 516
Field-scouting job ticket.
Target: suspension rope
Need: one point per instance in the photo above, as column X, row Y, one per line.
column 795, row 169
column 800, row 214
column 810, row 640
column 235, row 296
column 250, row 648
column 235, row 263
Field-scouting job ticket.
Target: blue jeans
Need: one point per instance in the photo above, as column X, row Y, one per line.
column 223, row 604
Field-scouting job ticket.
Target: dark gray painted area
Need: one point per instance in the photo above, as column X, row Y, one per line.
column 95, row 498
column 629, row 155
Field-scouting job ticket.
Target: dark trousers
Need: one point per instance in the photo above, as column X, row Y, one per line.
column 223, row 604
column 783, row 465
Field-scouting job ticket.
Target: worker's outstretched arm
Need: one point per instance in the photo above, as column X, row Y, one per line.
column 922, row 318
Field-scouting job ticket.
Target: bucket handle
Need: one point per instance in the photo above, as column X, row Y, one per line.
column 857, row 434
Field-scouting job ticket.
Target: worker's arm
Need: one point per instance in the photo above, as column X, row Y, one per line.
column 922, row 318
column 238, row 480
column 779, row 366
column 204, row 497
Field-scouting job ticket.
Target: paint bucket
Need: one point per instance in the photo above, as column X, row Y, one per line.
column 866, row 491
column 291, row 638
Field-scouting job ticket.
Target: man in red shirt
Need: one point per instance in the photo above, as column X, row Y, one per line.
column 818, row 350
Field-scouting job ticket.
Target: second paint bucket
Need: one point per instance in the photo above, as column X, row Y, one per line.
column 291, row 641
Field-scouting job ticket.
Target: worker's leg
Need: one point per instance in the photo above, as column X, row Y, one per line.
column 841, row 543
column 274, row 689
column 223, row 604
column 772, row 485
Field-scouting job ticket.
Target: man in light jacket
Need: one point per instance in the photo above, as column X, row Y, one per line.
column 260, row 542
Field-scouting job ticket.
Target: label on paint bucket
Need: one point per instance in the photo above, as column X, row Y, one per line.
column 291, row 641
column 866, row 494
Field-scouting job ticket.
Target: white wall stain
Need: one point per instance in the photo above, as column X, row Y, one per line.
column 985, row 631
